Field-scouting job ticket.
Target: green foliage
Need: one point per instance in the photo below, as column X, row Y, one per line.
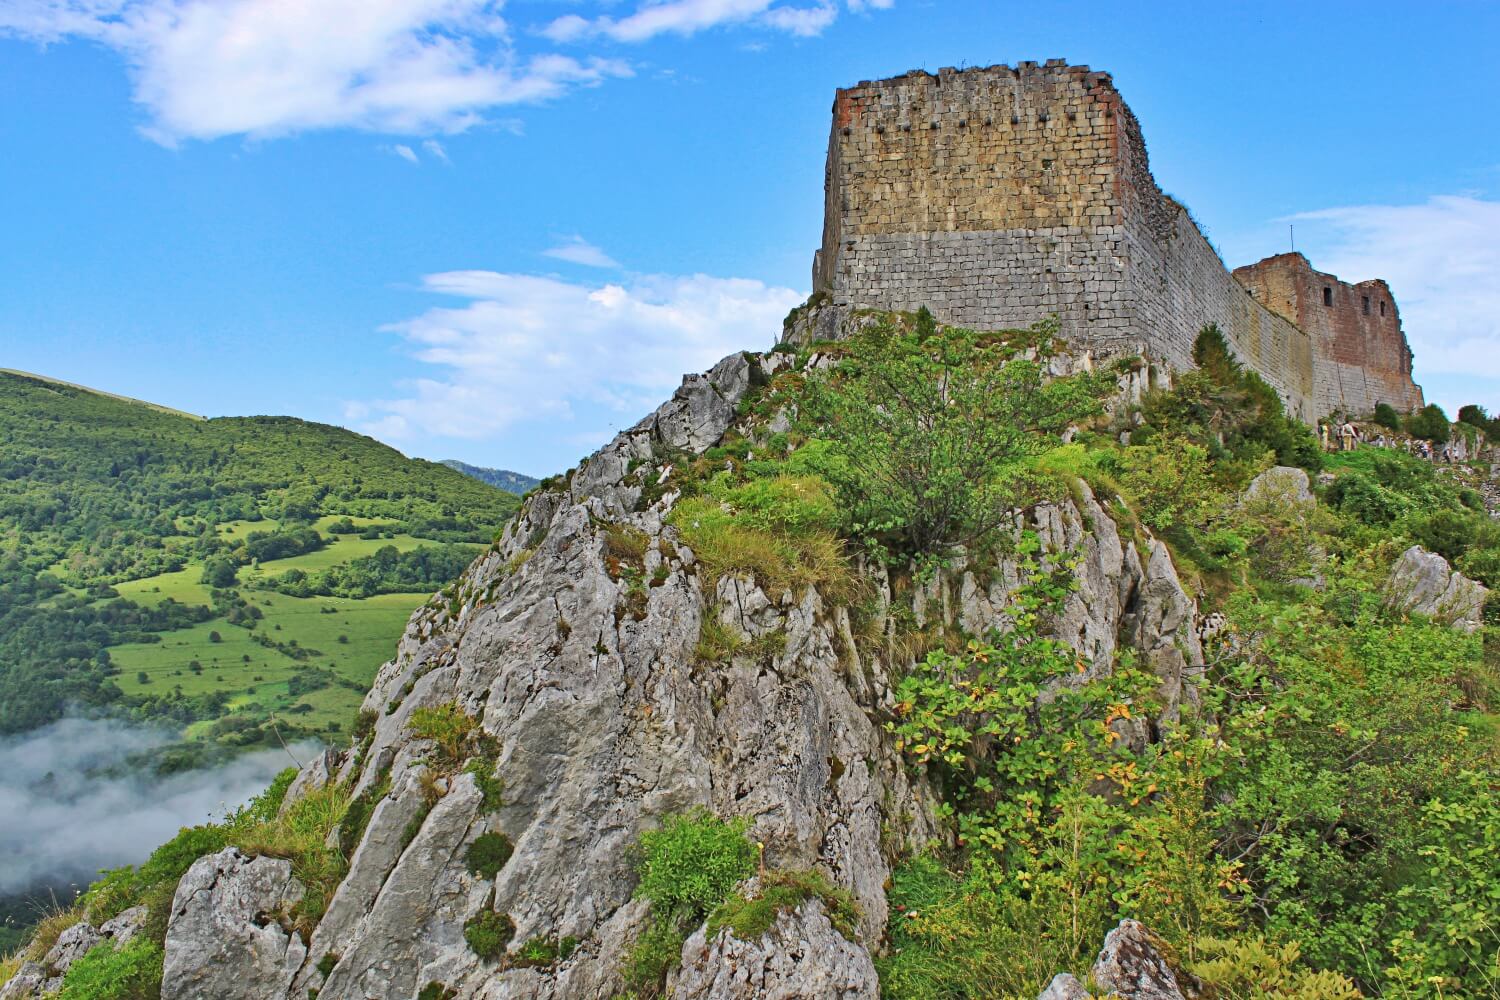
column 1429, row 422
column 436, row 991
column 1252, row 968
column 1231, row 411
column 927, row 434
column 387, row 571
column 1348, row 756
column 750, row 917
column 689, row 865
column 1170, row 483
column 491, row 788
column 489, row 933
column 1387, row 417
column 488, row 854
column 781, row 530
column 543, row 952
column 131, row 972
column 97, row 492
column 451, row 728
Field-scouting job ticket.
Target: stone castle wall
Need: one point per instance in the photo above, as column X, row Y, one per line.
column 1361, row 355
column 999, row 196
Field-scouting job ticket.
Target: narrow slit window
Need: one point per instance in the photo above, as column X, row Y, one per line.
column 1327, row 296
column 1382, row 307
column 1366, row 305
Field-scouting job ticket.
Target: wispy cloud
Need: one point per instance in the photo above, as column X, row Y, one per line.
column 689, row 17
column 526, row 348
column 577, row 250
column 1442, row 259
column 202, row 69
column 208, row 68
column 435, row 149
column 405, row 152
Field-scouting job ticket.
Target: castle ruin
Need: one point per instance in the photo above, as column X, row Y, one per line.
column 998, row 196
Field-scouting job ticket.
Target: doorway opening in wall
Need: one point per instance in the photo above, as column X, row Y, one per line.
column 1327, row 296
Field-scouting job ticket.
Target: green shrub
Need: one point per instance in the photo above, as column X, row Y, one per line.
column 927, row 431
column 488, row 933
column 488, row 854
column 1255, row 969
column 436, row 991
column 689, row 865
column 781, row 892
column 543, row 952
column 1387, row 417
column 482, row 767
column 448, row 726
column 1429, row 422
column 693, row 861
column 131, row 972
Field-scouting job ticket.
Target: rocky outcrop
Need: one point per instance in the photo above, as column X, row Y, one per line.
column 44, row 978
column 1131, row 966
column 1423, row 583
column 801, row 955
column 575, row 641
column 225, row 938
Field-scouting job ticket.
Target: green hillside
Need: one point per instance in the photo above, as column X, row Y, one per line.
column 210, row 572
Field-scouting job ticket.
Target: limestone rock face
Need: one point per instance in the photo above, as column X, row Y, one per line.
column 1423, row 583
column 31, row 980
column 801, row 955
column 72, row 944
column 224, row 940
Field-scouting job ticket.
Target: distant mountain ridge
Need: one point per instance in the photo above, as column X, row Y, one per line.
column 511, row 482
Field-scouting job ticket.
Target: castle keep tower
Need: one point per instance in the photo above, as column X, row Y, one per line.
column 998, row 196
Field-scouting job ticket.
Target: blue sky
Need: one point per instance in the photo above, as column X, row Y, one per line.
column 502, row 232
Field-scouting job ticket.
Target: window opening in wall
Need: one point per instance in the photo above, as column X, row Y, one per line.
column 1327, row 296
column 1366, row 305
column 1382, row 307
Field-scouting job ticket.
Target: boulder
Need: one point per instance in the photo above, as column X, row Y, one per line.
column 1064, row 986
column 800, row 955
column 31, row 980
column 1131, row 965
column 1280, row 482
column 1423, row 583
column 72, row 944
column 225, row 940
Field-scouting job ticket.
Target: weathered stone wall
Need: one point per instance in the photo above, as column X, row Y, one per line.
column 998, row 196
column 1360, row 351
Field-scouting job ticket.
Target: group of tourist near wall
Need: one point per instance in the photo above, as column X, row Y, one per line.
column 999, row 196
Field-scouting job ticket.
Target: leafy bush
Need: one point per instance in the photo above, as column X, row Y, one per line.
column 488, row 854
column 1429, row 422
column 1387, row 417
column 689, row 865
column 489, row 933
column 1255, row 969
column 131, row 972
column 927, row 432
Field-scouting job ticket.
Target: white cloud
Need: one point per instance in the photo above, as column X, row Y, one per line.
column 209, row 68
column 577, row 250
column 405, row 152
column 688, row 17
column 1442, row 260
column 435, row 149
column 525, row 348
